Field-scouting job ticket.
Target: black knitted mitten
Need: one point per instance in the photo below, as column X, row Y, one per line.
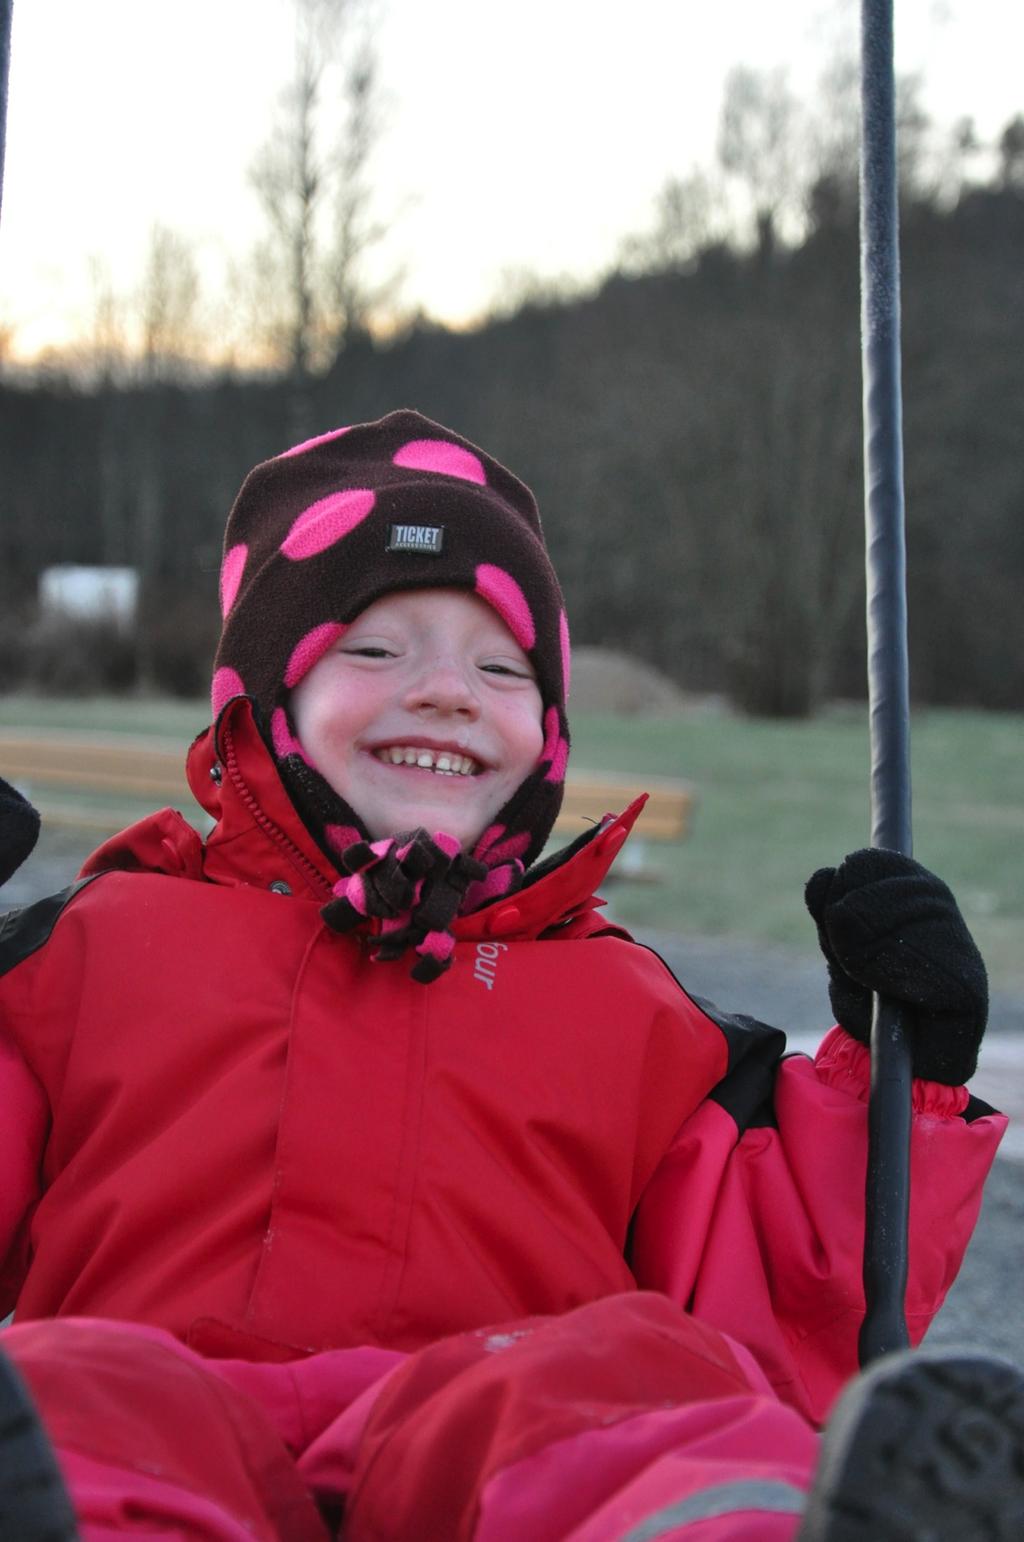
column 19, row 829
column 887, row 924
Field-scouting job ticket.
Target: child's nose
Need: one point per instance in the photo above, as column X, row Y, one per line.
column 444, row 687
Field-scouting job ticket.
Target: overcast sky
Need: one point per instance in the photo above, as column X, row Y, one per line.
column 528, row 136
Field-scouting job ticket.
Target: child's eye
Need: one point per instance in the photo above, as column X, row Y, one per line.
column 507, row 669
column 370, row 652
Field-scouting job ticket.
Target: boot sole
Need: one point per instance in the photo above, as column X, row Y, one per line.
column 34, row 1504
column 924, row 1447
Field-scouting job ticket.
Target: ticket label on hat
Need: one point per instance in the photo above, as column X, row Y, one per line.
column 424, row 538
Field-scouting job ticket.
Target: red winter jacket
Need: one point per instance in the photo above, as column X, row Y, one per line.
column 226, row 1119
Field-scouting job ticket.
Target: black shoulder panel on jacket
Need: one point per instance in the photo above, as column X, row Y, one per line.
column 23, row 931
column 976, row 1108
column 746, row 1090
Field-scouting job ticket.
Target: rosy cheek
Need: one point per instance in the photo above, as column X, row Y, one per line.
column 312, row 715
column 537, row 717
column 531, row 736
column 536, row 744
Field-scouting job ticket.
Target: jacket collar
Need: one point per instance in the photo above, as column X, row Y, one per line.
column 257, row 835
column 258, row 838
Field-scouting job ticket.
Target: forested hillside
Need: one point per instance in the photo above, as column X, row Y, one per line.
column 692, row 430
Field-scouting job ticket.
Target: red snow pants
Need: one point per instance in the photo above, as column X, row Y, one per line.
column 623, row 1419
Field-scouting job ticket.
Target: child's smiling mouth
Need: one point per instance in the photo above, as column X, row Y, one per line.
column 440, row 762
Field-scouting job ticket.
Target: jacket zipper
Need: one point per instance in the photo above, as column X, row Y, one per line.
column 276, row 834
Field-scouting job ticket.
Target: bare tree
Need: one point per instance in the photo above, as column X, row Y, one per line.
column 913, row 129
column 105, row 359
column 352, row 300
column 167, row 308
column 288, row 174
column 791, row 504
column 312, row 178
column 8, row 331
column 169, row 348
column 759, row 146
column 687, row 220
column 1011, row 154
column 833, row 146
column 958, row 150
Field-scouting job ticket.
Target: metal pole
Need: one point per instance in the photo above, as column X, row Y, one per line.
column 6, row 7
column 888, row 1177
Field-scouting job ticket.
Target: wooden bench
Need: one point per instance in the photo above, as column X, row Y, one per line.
column 44, row 763
column 132, row 774
column 666, row 816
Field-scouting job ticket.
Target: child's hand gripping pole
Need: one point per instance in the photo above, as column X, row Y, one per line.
column 888, row 1178
column 892, row 931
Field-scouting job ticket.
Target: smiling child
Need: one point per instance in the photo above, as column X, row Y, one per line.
column 362, row 1180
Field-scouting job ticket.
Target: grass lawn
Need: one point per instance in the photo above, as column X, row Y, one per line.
column 162, row 717
column 774, row 801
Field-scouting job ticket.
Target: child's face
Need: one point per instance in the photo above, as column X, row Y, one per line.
column 423, row 675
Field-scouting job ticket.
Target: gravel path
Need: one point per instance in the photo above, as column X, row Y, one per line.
column 986, row 1304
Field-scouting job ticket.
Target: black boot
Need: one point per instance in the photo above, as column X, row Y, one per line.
column 923, row 1447
column 34, row 1504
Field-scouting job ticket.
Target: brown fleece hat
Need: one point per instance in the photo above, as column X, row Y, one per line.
column 320, row 532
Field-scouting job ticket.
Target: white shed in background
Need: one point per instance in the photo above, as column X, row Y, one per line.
column 72, row 593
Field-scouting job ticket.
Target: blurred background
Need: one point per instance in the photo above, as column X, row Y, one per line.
column 616, row 245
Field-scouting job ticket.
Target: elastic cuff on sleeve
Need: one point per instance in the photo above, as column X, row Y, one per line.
column 843, row 1061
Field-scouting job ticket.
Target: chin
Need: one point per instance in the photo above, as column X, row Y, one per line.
column 386, row 824
column 467, row 839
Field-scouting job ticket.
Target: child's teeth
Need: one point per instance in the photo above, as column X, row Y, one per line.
column 442, row 763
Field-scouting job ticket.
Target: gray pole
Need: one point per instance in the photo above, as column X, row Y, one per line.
column 6, row 7
column 888, row 1178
